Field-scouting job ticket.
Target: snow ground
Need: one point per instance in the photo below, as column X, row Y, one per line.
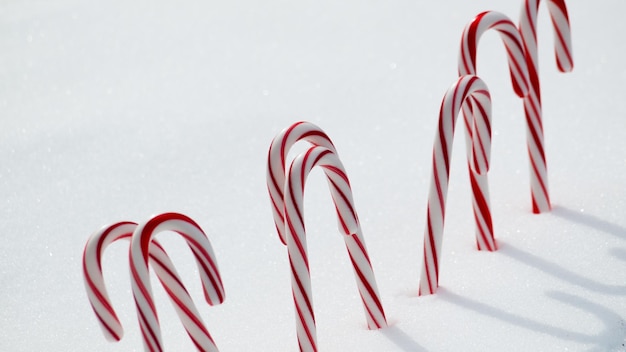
column 116, row 111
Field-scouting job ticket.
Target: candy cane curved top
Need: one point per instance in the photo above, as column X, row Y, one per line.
column 562, row 34
column 140, row 278
column 297, row 248
column 165, row 271
column 466, row 89
column 94, row 280
column 512, row 41
column 276, row 166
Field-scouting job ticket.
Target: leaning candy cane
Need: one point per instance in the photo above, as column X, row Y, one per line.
column 276, row 166
column 519, row 77
column 532, row 102
column 165, row 271
column 297, row 248
column 468, row 89
column 140, row 278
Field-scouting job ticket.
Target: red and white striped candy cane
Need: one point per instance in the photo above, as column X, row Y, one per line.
column 532, row 102
column 140, row 277
column 165, row 271
column 467, row 89
column 276, row 165
column 519, row 77
column 297, row 248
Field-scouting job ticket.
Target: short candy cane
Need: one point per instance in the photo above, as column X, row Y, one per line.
column 519, row 77
column 532, row 102
column 297, row 248
column 467, row 89
column 165, row 271
column 276, row 166
column 140, row 277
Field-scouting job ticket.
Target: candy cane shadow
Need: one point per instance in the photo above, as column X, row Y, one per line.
column 401, row 339
column 610, row 335
column 614, row 334
column 618, row 253
column 557, row 271
column 589, row 220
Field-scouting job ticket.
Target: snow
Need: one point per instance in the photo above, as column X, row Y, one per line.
column 120, row 110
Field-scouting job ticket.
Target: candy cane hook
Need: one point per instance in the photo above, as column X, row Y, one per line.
column 519, row 78
column 276, row 166
column 532, row 102
column 467, row 89
column 140, row 277
column 164, row 269
column 297, row 248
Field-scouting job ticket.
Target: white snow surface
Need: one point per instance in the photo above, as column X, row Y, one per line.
column 119, row 110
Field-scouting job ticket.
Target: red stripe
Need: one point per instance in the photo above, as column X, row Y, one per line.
column 531, row 19
column 347, row 203
column 561, row 40
column 142, row 288
column 296, row 240
column 301, row 289
column 106, row 326
column 149, row 336
column 185, row 309
column 534, row 132
column 541, row 184
column 206, row 259
column 485, row 119
column 283, row 144
column 432, row 245
column 308, row 332
column 370, row 290
column 369, row 313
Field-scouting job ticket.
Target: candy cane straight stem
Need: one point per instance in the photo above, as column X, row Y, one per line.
column 140, row 278
column 532, row 102
column 519, row 77
column 164, row 269
column 276, row 166
column 467, row 89
column 297, row 246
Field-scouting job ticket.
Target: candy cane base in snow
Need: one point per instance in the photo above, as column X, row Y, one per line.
column 532, row 102
column 165, row 271
column 140, row 278
column 510, row 36
column 467, row 89
column 297, row 248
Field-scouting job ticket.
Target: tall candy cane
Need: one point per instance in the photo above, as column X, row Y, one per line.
column 519, row 77
column 276, row 166
column 297, row 248
column 532, row 102
column 165, row 271
column 140, row 277
column 468, row 89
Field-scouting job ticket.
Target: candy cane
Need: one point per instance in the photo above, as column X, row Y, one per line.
column 519, row 77
column 467, row 89
column 140, row 278
column 165, row 271
column 297, row 248
column 532, row 102
column 276, row 166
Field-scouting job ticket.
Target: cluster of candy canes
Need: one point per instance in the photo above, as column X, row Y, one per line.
column 286, row 189
column 144, row 250
column 287, row 204
column 521, row 48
